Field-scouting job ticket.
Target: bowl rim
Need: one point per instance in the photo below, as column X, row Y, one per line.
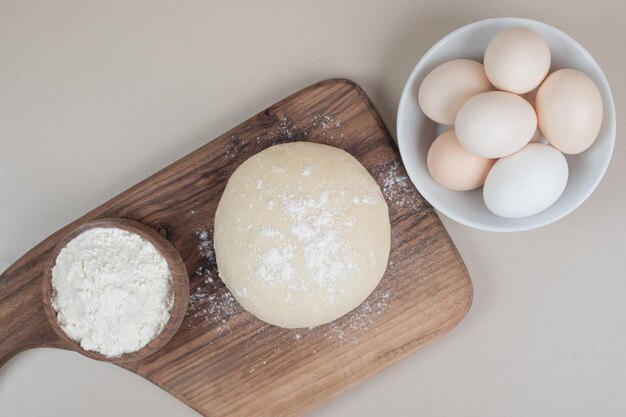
column 511, row 21
column 180, row 288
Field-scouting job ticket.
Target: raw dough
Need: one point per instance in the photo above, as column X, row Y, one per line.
column 302, row 234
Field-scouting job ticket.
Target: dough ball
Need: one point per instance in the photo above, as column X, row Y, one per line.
column 302, row 234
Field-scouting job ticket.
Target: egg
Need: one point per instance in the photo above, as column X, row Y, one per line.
column 527, row 182
column 569, row 110
column 517, row 60
column 455, row 168
column 447, row 87
column 495, row 124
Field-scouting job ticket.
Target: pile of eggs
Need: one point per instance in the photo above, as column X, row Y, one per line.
column 511, row 123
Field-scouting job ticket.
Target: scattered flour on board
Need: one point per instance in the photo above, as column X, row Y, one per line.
column 288, row 131
column 215, row 307
column 325, row 122
column 285, row 129
column 208, row 268
column 398, row 189
column 349, row 327
column 206, row 245
column 210, row 301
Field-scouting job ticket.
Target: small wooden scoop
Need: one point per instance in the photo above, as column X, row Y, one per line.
column 180, row 288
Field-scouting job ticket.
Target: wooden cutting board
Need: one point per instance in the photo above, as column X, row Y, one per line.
column 225, row 362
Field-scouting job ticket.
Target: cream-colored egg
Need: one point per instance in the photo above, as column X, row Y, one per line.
column 527, row 182
column 455, row 168
column 495, row 124
column 517, row 60
column 447, row 87
column 569, row 110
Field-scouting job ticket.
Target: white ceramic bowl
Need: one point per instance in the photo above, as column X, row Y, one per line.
column 416, row 132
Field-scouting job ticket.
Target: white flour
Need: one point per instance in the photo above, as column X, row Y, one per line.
column 325, row 258
column 398, row 189
column 111, row 290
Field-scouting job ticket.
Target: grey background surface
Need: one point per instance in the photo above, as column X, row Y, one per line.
column 95, row 96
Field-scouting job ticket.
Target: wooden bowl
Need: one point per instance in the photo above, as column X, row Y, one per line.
column 180, row 287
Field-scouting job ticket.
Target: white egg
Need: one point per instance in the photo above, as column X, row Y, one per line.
column 495, row 124
column 527, row 182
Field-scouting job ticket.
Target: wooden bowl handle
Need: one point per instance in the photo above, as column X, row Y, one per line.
column 23, row 322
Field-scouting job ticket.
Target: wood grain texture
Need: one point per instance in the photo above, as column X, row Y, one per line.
column 179, row 287
column 225, row 362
